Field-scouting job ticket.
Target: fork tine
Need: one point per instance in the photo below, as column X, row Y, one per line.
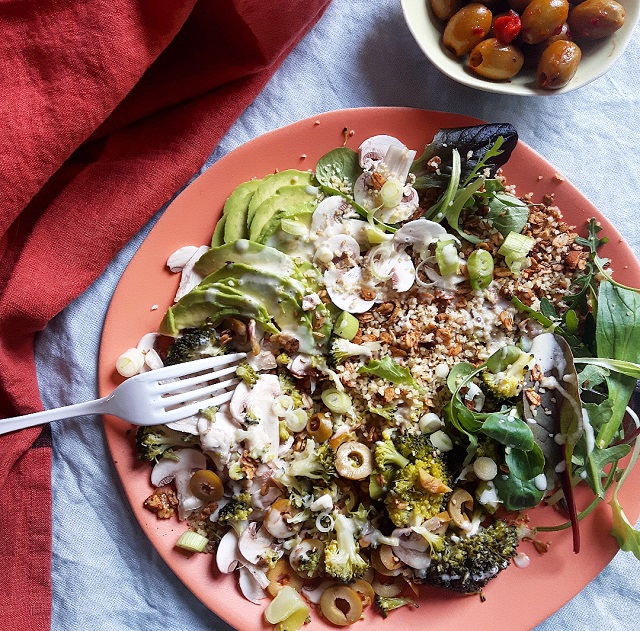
column 190, row 368
column 165, row 388
column 193, row 408
column 197, row 393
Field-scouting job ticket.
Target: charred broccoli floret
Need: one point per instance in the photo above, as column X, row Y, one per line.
column 158, row 441
column 341, row 350
column 194, row 344
column 505, row 372
column 247, row 374
column 467, row 564
column 417, row 479
column 342, row 559
column 237, row 509
column 389, row 604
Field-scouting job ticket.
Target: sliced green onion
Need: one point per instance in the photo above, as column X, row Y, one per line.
column 296, row 420
column 480, row 268
column 291, row 226
column 346, row 326
column 515, row 249
column 447, row 257
column 282, row 405
column 338, row 402
column 375, row 235
column 391, row 193
column 192, row 541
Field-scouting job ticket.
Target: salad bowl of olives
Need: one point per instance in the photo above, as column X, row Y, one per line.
column 525, row 47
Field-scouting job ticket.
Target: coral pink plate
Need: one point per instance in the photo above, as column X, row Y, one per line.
column 519, row 598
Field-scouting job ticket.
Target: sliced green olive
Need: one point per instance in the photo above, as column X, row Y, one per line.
column 341, row 605
column 206, row 485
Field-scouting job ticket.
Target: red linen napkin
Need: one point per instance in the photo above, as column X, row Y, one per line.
column 107, row 108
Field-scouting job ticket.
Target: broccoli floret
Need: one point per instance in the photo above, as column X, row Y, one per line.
column 158, row 441
column 308, row 562
column 341, row 349
column 247, row 374
column 317, row 463
column 508, row 381
column 237, row 509
column 415, row 447
column 389, row 604
column 194, row 344
column 386, row 454
column 467, row 564
column 341, row 555
column 418, row 492
column 269, row 557
column 283, row 359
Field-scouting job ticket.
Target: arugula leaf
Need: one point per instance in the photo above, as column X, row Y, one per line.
column 591, row 376
column 341, row 163
column 387, row 369
column 461, row 417
column 509, row 430
column 452, row 212
column 617, row 338
column 628, row 538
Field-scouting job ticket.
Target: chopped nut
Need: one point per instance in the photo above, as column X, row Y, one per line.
column 163, row 502
column 507, row 320
column 377, row 180
column 533, row 397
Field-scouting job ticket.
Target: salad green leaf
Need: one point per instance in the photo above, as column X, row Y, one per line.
column 387, row 369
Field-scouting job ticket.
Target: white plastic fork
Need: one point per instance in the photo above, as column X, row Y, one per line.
column 156, row 397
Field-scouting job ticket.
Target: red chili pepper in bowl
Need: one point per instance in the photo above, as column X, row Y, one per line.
column 507, row 27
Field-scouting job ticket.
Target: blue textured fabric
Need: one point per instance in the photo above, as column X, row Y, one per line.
column 106, row 575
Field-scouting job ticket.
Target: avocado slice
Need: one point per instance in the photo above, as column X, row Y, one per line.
column 213, row 303
column 238, row 290
column 272, row 226
column 218, row 233
column 235, row 210
column 291, row 199
column 290, row 177
column 252, row 254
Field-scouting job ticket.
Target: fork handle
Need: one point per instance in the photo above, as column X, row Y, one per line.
column 38, row 418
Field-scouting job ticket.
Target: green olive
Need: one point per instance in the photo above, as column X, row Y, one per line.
column 558, row 64
column 494, row 60
column 445, row 9
column 466, row 28
column 595, row 19
column 341, row 605
column 542, row 18
column 320, row 427
column 206, row 485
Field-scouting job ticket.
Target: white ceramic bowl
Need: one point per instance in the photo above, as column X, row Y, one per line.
column 597, row 57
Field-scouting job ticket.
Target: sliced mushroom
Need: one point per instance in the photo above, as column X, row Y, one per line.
column 189, row 277
column 256, row 402
column 264, row 360
column 180, row 258
column 220, row 437
column 253, row 542
column 276, row 521
column 339, row 250
column 228, row 554
column 301, row 365
column 181, row 470
column 346, row 291
column 374, row 149
column 419, row 234
column 250, row 586
column 327, row 217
